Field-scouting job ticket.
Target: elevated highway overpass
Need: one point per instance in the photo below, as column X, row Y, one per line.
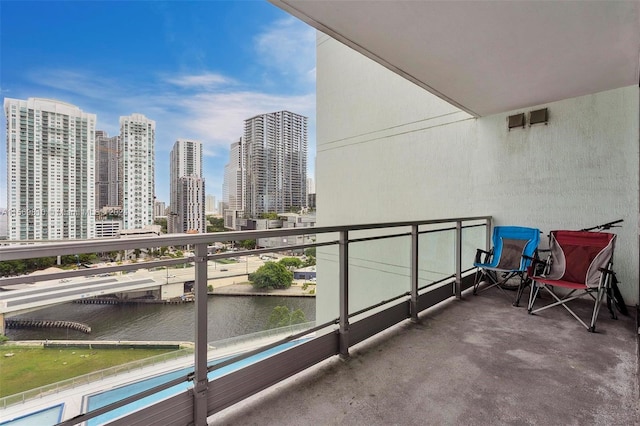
column 53, row 293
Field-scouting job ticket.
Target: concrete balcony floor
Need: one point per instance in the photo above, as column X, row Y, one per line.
column 475, row 361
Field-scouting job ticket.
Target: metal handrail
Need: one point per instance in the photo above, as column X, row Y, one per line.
column 200, row 241
column 16, row 250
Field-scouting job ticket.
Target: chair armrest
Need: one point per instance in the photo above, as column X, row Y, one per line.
column 535, row 260
column 479, row 253
column 533, row 268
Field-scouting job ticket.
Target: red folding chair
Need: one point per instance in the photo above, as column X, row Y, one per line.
column 580, row 263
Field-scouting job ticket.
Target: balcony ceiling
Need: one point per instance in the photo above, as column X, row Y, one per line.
column 488, row 57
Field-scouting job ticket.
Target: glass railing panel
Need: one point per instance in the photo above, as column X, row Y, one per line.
column 328, row 280
column 238, row 303
column 473, row 238
column 116, row 305
column 436, row 255
column 379, row 269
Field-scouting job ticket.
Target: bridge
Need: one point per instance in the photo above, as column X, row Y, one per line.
column 52, row 293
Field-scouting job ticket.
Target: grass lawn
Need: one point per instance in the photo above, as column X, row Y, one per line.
column 31, row 367
column 225, row 261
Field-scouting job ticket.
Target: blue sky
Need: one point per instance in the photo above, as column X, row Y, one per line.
column 198, row 68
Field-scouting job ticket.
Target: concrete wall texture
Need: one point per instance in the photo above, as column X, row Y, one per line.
column 389, row 151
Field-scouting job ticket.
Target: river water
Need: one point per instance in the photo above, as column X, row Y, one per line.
column 228, row 316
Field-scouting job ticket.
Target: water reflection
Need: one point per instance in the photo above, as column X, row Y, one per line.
column 228, row 317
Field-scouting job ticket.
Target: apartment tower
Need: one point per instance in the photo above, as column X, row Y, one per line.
column 50, row 170
column 108, row 170
column 275, row 163
column 233, row 186
column 187, row 188
column 210, row 205
column 137, row 134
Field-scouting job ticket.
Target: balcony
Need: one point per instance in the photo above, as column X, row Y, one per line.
column 476, row 361
column 414, row 347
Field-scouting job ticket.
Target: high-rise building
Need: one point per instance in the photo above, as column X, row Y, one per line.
column 189, row 214
column 137, row 135
column 3, row 223
column 186, row 188
column 108, row 170
column 311, row 193
column 311, row 186
column 234, row 184
column 160, row 209
column 275, row 163
column 210, row 205
column 50, row 170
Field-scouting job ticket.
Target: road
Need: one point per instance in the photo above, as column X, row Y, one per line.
column 215, row 270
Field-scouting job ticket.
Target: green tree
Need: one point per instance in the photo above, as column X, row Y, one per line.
column 270, row 216
column 87, row 257
column 247, row 244
column 162, row 221
column 311, row 251
column 271, row 275
column 291, row 263
column 311, row 261
column 215, row 224
column 282, row 316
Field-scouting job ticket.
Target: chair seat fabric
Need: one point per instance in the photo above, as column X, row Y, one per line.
column 560, row 283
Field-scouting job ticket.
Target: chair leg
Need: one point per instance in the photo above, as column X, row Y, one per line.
column 596, row 309
column 477, row 280
column 533, row 294
column 567, row 298
column 483, row 276
column 523, row 283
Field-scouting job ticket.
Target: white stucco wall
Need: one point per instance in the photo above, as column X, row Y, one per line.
column 389, row 151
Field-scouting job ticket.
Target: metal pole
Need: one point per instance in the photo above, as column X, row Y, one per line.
column 200, row 382
column 489, row 233
column 414, row 273
column 458, row 245
column 343, row 258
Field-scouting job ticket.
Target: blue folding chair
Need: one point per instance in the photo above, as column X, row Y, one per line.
column 514, row 247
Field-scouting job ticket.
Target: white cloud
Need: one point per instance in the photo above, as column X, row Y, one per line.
column 218, row 118
column 288, row 47
column 77, row 82
column 201, row 81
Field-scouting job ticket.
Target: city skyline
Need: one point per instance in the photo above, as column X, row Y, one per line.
column 198, row 69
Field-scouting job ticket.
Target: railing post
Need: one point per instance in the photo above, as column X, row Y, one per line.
column 458, row 255
column 413, row 307
column 489, row 234
column 343, row 259
column 200, row 382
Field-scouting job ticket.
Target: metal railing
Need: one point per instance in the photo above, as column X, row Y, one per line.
column 207, row 398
